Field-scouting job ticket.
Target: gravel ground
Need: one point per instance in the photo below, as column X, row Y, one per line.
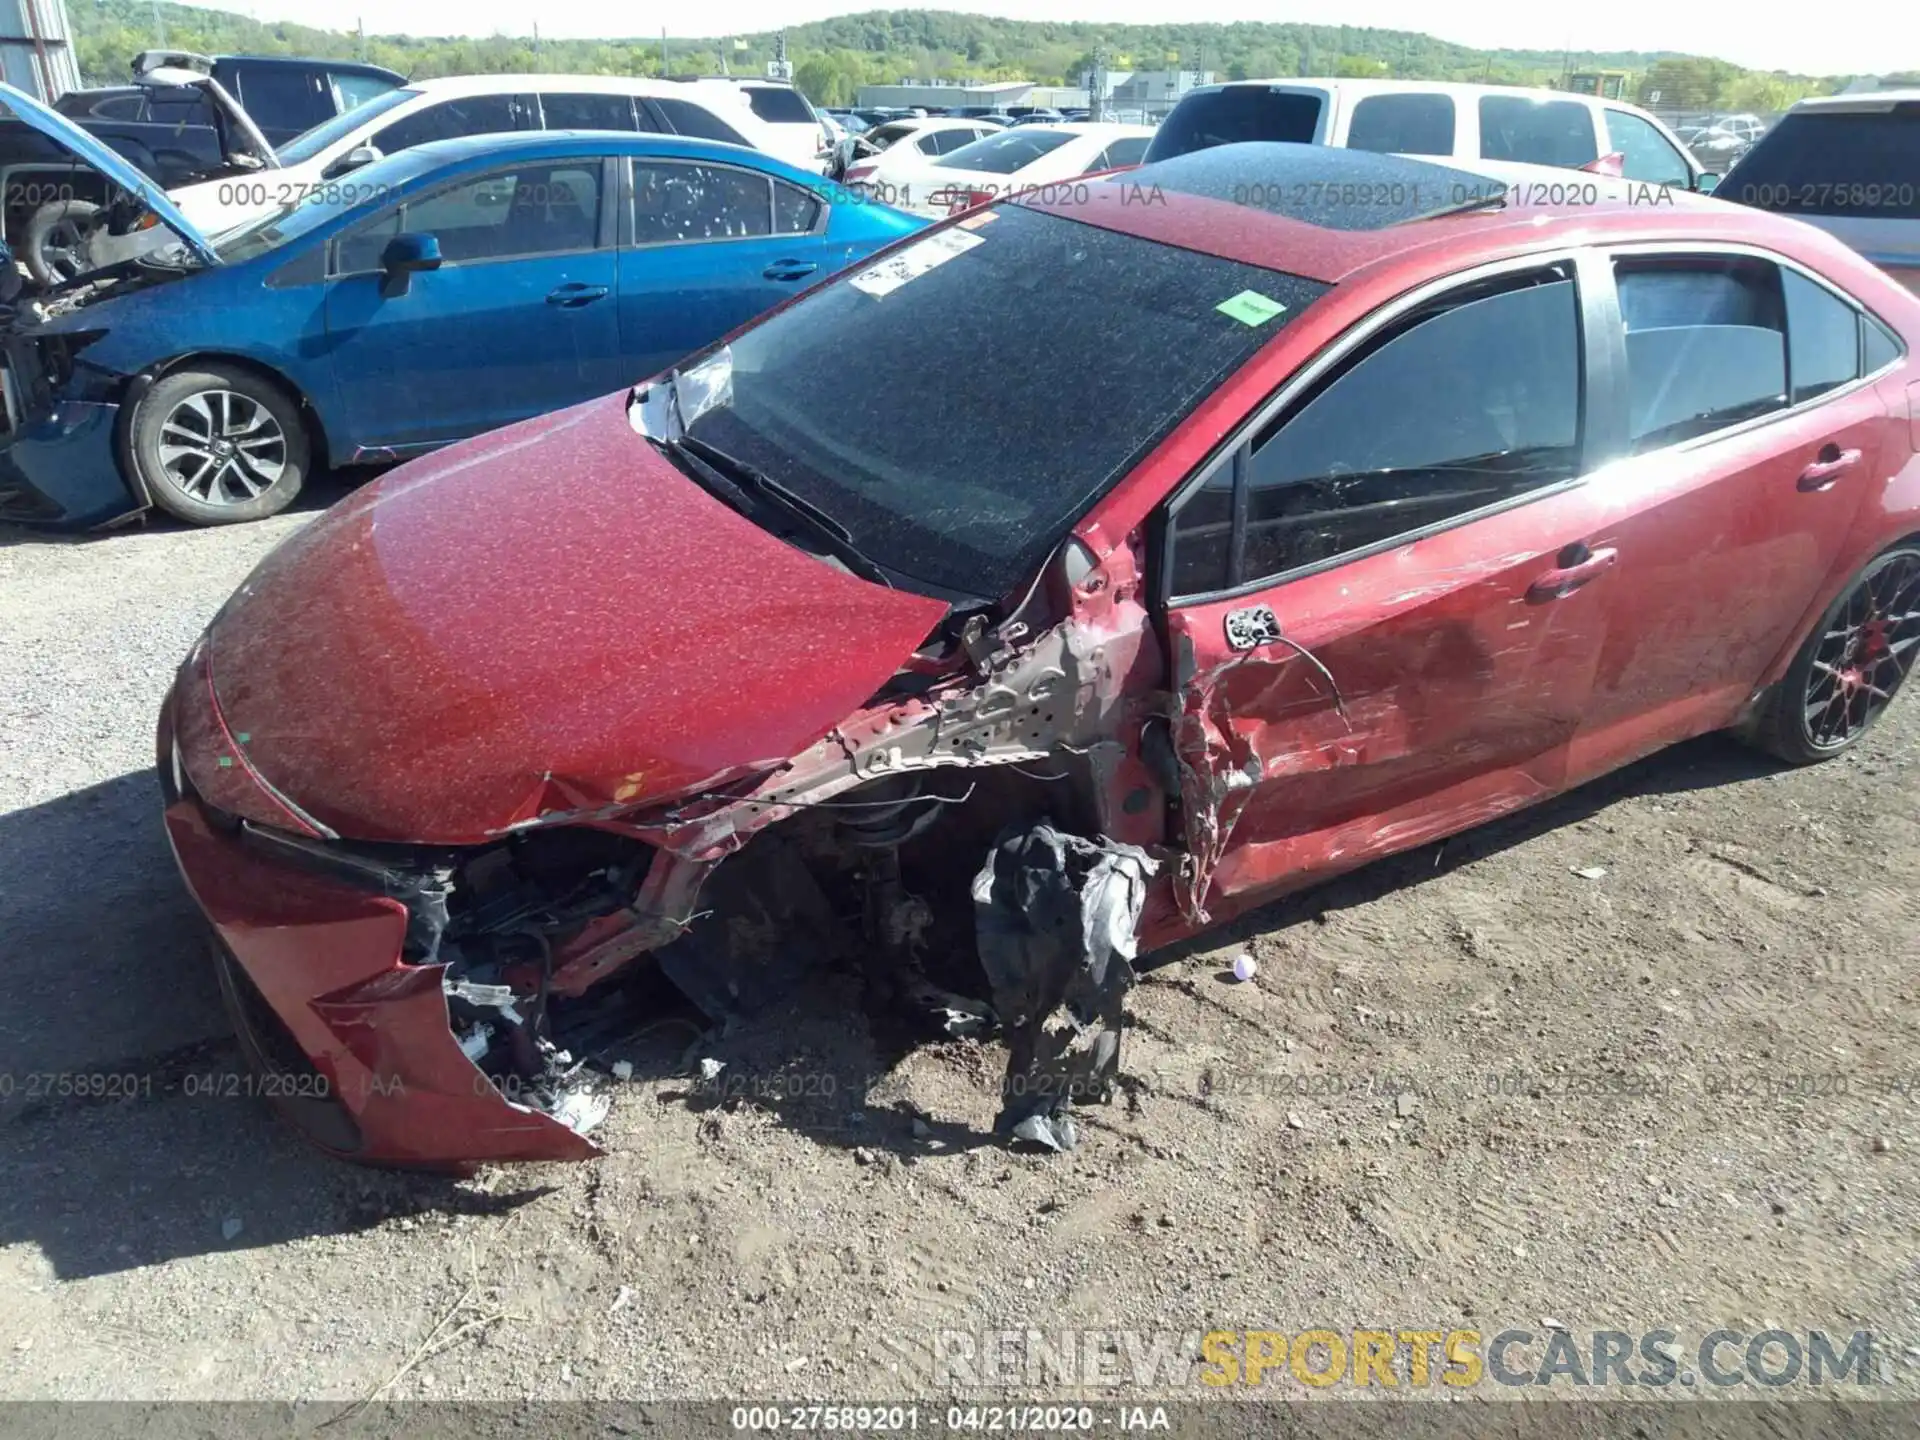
column 1412, row 1118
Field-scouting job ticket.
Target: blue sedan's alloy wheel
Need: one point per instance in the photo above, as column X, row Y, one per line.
column 219, row 444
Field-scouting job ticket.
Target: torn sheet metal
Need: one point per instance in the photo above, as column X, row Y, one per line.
column 668, row 406
column 1056, row 918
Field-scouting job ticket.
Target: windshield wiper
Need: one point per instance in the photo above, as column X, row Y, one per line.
column 740, row 475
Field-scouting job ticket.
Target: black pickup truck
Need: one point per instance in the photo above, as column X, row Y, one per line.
column 184, row 118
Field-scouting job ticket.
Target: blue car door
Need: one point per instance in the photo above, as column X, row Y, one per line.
column 707, row 246
column 519, row 319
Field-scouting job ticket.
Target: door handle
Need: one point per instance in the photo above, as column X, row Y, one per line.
column 572, row 296
column 1832, row 464
column 1563, row 580
column 789, row 270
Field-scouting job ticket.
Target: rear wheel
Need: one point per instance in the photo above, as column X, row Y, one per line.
column 1850, row 667
column 56, row 239
column 215, row 444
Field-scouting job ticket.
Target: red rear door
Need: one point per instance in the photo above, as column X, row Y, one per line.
column 1754, row 447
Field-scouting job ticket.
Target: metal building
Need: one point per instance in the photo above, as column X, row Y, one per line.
column 36, row 48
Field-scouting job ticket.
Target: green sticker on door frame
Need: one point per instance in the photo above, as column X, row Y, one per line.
column 1250, row 307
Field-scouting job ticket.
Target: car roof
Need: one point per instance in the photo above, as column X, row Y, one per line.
column 1460, row 88
column 1106, row 129
column 519, row 145
column 1873, row 102
column 1326, row 213
column 307, row 62
column 456, row 85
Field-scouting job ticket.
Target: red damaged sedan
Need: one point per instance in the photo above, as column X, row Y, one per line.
column 1077, row 574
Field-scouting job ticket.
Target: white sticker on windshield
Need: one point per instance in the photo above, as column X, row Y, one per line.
column 914, row 261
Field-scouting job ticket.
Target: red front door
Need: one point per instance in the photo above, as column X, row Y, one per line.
column 1425, row 648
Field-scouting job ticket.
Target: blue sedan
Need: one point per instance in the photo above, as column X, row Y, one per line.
column 426, row 297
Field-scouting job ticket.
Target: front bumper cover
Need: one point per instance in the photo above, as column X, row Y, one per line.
column 61, row 467
column 326, row 960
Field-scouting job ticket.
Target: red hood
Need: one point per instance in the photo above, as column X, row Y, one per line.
column 550, row 617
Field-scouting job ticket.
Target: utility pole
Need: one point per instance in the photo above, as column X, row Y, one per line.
column 159, row 28
column 360, row 29
column 666, row 65
column 1097, row 85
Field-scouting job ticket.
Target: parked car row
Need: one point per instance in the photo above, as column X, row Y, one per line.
column 455, row 286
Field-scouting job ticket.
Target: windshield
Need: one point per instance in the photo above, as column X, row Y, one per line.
column 1237, row 113
column 1004, row 153
column 310, row 143
column 918, row 403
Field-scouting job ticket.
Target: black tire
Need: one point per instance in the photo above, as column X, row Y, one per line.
column 218, row 444
column 1850, row 666
column 53, row 243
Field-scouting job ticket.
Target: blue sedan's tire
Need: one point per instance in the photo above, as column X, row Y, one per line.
column 217, row 444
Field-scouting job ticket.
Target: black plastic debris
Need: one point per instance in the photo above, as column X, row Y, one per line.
column 1055, row 917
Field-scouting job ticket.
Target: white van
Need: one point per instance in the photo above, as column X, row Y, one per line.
column 1417, row 117
column 472, row 105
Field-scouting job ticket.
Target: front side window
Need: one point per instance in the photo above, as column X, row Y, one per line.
column 1645, row 153
column 970, row 471
column 449, row 120
column 676, row 204
column 1123, row 153
column 1706, row 345
column 1470, row 403
column 588, row 112
column 1005, row 152
column 1403, row 125
column 1537, row 132
column 549, row 209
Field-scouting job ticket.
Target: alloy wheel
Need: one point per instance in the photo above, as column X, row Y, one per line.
column 222, row 447
column 60, row 250
column 1865, row 652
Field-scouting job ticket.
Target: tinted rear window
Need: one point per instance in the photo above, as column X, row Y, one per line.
column 1537, row 132
column 778, row 105
column 1403, row 125
column 1006, row 152
column 911, row 402
column 686, row 118
column 1239, row 112
column 1862, row 165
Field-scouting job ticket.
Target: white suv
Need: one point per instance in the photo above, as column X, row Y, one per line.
column 794, row 128
column 472, row 105
column 1414, row 117
column 1849, row 164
